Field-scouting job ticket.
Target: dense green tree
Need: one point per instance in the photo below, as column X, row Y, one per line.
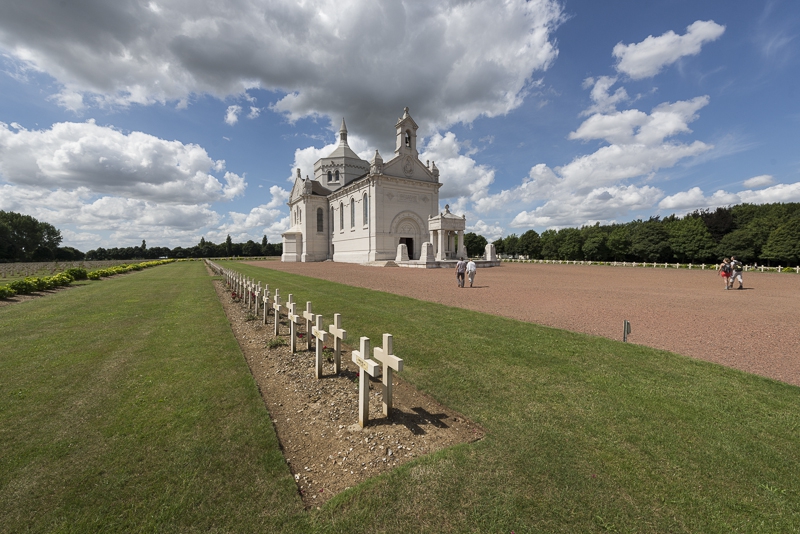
column 650, row 242
column 228, row 245
column 783, row 245
column 476, row 244
column 511, row 244
column 550, row 241
column 570, row 244
column 69, row 254
column 619, row 242
column 719, row 222
column 26, row 239
column 595, row 240
column 690, row 240
column 498, row 246
column 250, row 248
column 530, row 244
column 741, row 243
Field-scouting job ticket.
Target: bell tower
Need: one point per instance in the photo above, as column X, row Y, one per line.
column 406, row 136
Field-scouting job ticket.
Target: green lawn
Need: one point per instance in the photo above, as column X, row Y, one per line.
column 125, row 405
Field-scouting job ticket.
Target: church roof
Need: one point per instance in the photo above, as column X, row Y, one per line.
column 343, row 150
column 319, row 189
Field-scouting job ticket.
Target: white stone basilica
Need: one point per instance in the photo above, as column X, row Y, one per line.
column 376, row 212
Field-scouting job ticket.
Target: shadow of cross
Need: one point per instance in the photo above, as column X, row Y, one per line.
column 276, row 306
column 368, row 368
column 308, row 315
column 294, row 320
column 265, row 299
column 339, row 335
column 321, row 336
column 390, row 362
column 433, row 418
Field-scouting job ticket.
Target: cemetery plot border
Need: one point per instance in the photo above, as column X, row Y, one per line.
column 316, row 420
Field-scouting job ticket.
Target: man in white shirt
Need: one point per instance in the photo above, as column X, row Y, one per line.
column 471, row 268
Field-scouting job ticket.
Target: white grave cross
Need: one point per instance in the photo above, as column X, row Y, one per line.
column 265, row 299
column 294, row 320
column 276, row 305
column 390, row 362
column 368, row 368
column 339, row 335
column 309, row 317
column 321, row 336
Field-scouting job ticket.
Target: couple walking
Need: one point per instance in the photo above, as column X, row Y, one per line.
column 463, row 267
column 731, row 271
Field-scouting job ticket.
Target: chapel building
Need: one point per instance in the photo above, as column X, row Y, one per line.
column 359, row 211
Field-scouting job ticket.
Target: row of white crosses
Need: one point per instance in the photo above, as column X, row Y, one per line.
column 383, row 365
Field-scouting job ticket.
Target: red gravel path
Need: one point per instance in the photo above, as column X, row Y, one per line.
column 688, row 312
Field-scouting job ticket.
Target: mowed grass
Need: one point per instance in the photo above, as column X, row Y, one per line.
column 584, row 434
column 126, row 406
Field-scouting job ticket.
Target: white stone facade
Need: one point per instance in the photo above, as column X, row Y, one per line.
column 359, row 212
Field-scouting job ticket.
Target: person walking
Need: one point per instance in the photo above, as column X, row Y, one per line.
column 471, row 268
column 736, row 272
column 461, row 267
column 725, row 272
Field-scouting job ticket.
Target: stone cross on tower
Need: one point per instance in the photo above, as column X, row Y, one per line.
column 390, row 362
column 321, row 337
column 309, row 317
column 294, row 320
column 276, row 306
column 339, row 335
column 368, row 368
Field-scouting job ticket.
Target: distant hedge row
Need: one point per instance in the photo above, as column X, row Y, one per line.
column 31, row 284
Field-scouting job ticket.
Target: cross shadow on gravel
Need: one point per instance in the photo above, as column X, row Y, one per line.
column 414, row 420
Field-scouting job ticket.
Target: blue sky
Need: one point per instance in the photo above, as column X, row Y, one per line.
column 170, row 120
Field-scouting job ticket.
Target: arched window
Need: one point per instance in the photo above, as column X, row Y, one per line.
column 352, row 213
column 366, row 209
column 337, row 176
column 341, row 216
column 330, row 176
column 408, row 139
column 320, row 220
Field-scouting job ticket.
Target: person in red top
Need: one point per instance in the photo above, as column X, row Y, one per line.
column 725, row 272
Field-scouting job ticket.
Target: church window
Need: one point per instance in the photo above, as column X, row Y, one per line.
column 408, row 139
column 366, row 210
column 320, row 219
column 337, row 176
column 352, row 213
column 330, row 176
column 341, row 216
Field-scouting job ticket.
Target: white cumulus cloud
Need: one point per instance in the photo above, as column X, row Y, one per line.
column 647, row 58
column 323, row 57
column 759, row 181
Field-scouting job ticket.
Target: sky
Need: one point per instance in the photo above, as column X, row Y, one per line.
column 172, row 120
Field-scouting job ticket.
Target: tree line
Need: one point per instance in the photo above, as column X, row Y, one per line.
column 25, row 239
column 204, row 249
column 766, row 234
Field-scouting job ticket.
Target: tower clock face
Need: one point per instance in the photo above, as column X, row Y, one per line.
column 408, row 166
